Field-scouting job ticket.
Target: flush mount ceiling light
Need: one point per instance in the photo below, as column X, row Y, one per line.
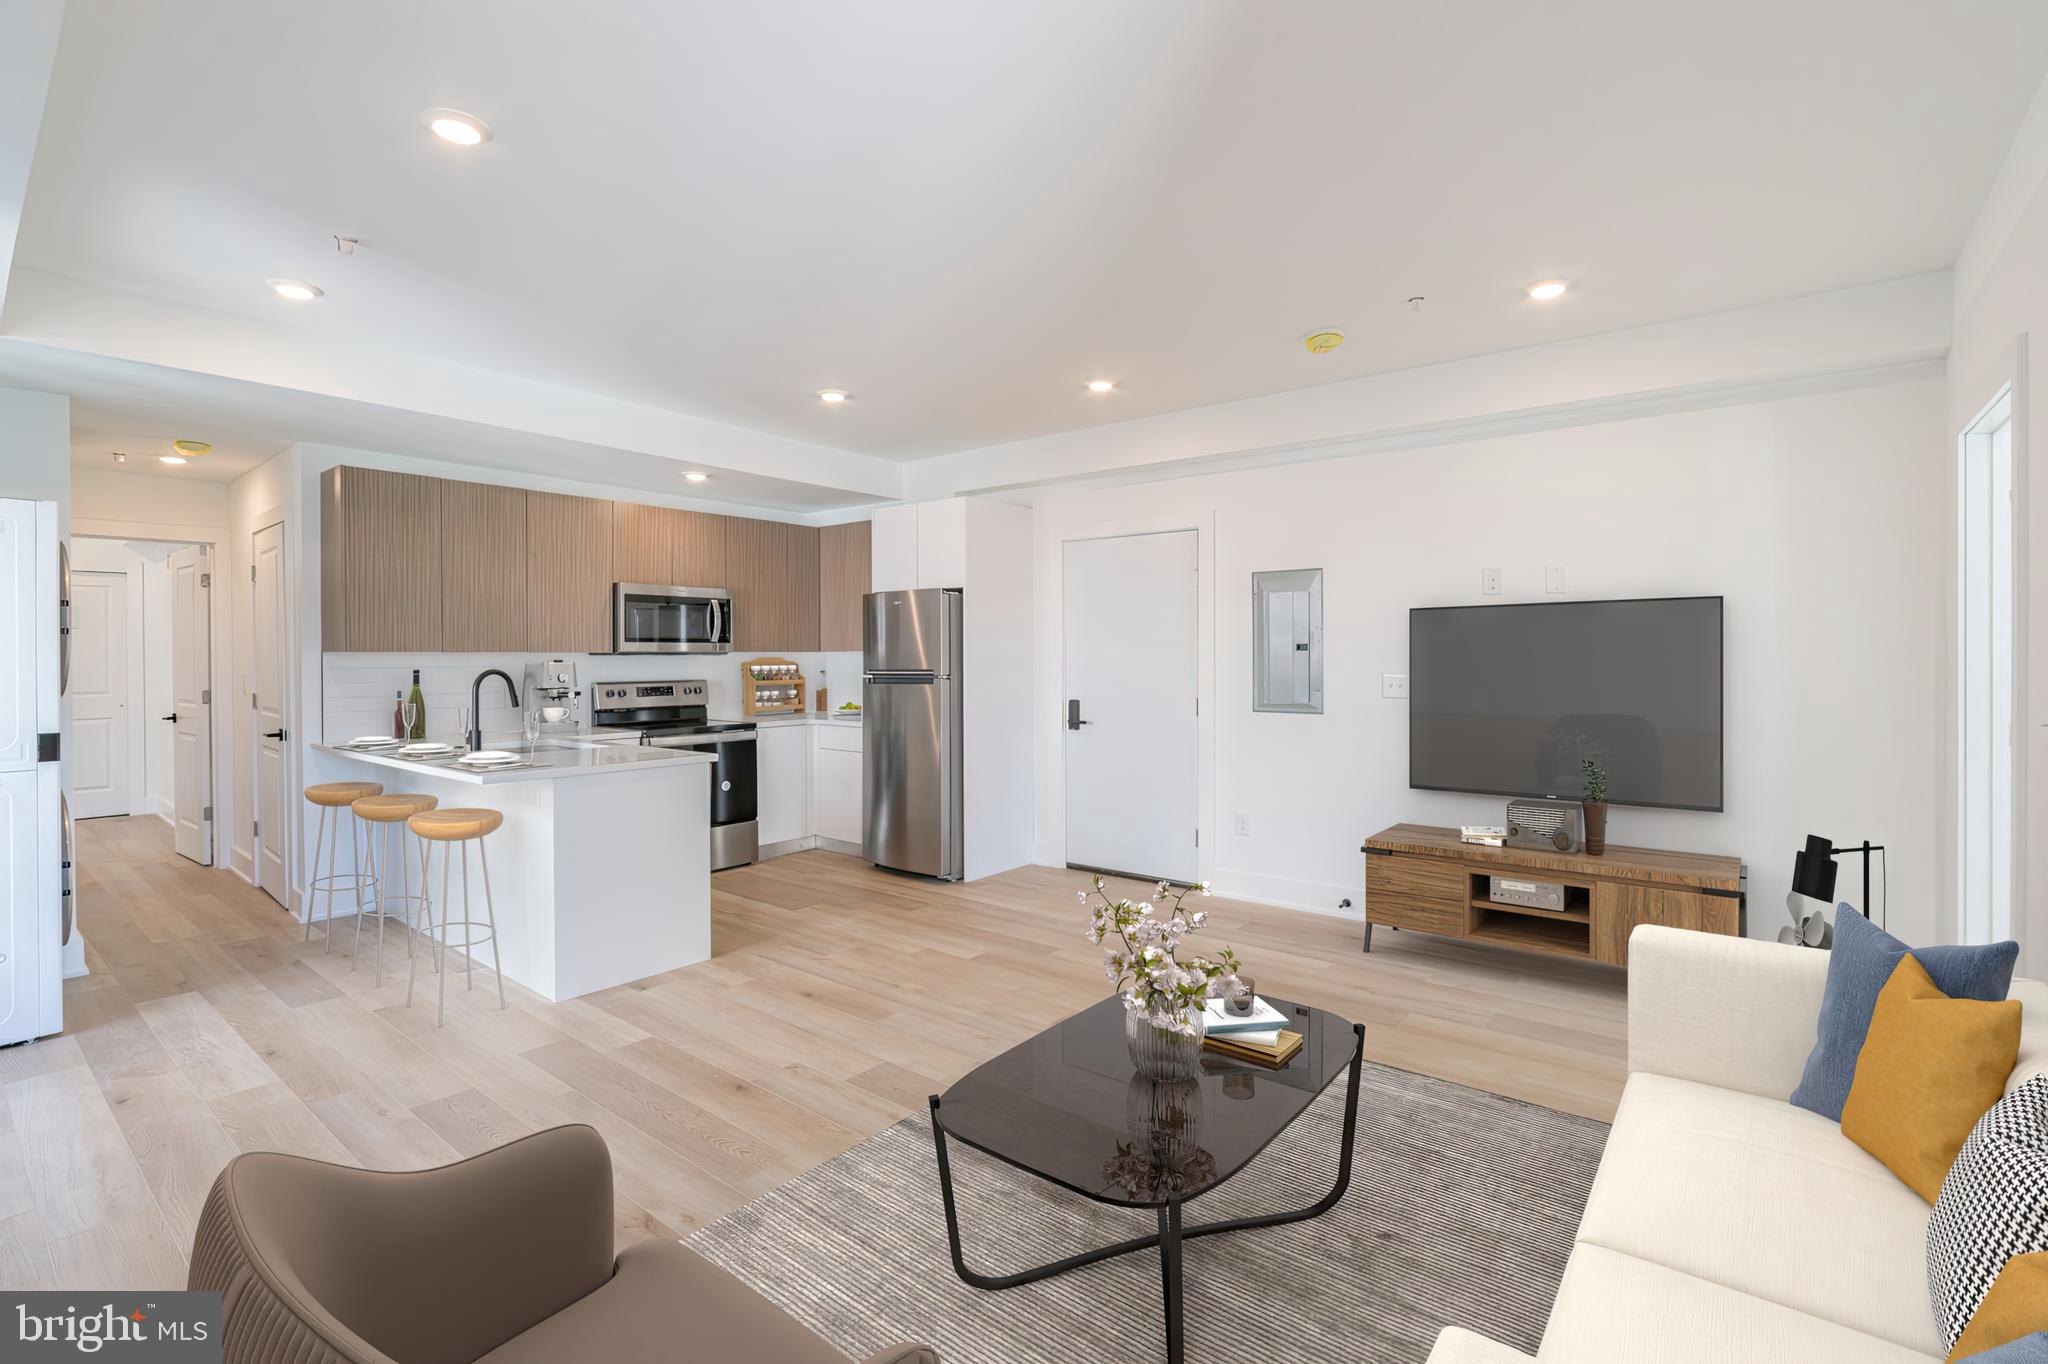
column 120, row 457
column 297, row 290
column 1545, row 290
column 1101, row 386
column 1324, row 341
column 696, row 476
column 194, row 448
column 832, row 395
column 452, row 125
column 171, row 459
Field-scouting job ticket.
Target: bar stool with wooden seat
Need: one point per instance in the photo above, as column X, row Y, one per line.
column 387, row 814
column 449, row 827
column 336, row 796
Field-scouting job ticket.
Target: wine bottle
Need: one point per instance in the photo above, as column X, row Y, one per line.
column 398, row 730
column 419, row 708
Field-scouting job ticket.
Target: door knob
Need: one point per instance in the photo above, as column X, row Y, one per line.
column 274, row 734
column 172, row 717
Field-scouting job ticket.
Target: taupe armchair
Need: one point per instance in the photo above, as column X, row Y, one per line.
column 505, row 1258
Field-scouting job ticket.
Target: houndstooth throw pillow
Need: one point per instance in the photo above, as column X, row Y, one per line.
column 1993, row 1206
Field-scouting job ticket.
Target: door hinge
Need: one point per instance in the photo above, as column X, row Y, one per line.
column 255, row 829
column 207, row 813
column 206, row 696
column 252, row 573
column 206, row 580
column 1198, row 838
column 252, row 700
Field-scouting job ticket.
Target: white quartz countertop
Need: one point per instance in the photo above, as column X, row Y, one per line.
column 590, row 754
column 807, row 718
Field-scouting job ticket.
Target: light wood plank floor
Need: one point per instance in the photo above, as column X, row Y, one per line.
column 837, row 999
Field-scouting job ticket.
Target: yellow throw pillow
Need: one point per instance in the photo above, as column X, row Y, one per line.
column 2016, row 1306
column 1930, row 1067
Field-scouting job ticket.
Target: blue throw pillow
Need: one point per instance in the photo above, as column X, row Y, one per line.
column 2031, row 1349
column 1862, row 961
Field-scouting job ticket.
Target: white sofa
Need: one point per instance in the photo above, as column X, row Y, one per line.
column 1724, row 1223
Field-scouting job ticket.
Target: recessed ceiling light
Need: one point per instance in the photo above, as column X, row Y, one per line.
column 1323, row 341
column 171, row 459
column 831, row 395
column 1101, row 385
column 452, row 125
column 1544, row 290
column 296, row 289
column 696, row 476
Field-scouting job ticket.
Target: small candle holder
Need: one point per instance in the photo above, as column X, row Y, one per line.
column 1241, row 1002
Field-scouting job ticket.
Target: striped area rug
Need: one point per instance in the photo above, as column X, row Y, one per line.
column 1461, row 1212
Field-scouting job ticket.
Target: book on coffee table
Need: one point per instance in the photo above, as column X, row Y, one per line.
column 1279, row 1053
column 1217, row 1018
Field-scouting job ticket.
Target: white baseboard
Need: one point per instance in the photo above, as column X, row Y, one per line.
column 1310, row 897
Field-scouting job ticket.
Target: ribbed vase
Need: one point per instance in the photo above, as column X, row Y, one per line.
column 1162, row 1053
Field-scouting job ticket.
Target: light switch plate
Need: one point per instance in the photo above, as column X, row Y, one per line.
column 1489, row 582
column 1394, row 686
column 1553, row 578
column 1244, row 825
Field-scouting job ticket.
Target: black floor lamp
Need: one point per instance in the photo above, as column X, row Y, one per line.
column 1813, row 890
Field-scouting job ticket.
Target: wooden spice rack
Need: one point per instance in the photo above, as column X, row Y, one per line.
column 780, row 692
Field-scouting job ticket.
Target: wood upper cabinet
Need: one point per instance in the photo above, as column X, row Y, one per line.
column 380, row 561
column 845, row 564
column 702, row 551
column 568, row 573
column 773, row 574
column 484, row 583
column 644, row 543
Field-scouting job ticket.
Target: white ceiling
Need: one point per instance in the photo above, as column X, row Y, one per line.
column 962, row 212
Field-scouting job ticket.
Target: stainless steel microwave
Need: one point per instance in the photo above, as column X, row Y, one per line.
column 647, row 619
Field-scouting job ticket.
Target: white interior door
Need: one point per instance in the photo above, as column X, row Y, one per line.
column 1131, row 689
column 99, row 695
column 267, row 676
column 192, row 704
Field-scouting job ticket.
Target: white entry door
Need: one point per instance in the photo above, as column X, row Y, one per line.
column 1131, row 725
column 267, row 677
column 99, row 695
column 192, row 704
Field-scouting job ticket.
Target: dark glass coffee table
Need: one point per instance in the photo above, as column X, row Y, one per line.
column 1069, row 1107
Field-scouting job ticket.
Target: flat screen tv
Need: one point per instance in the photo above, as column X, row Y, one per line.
column 1507, row 700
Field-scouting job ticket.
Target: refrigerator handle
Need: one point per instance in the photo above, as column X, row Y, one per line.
column 70, row 835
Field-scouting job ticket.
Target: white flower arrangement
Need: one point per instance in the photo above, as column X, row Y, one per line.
column 1141, row 955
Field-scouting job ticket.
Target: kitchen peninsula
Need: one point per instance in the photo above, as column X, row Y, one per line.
column 601, row 872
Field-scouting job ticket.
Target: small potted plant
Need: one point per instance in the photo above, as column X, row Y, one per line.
column 1596, row 807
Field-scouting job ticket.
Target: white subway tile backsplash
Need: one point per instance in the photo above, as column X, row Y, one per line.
column 357, row 689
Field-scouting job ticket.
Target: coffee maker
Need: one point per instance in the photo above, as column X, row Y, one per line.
column 551, row 686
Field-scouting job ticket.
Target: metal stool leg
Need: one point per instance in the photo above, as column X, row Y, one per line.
column 426, row 914
column 483, row 857
column 313, row 881
column 441, row 1012
column 356, row 952
column 328, row 922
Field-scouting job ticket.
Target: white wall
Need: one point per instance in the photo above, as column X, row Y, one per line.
column 1814, row 516
column 120, row 495
column 2001, row 337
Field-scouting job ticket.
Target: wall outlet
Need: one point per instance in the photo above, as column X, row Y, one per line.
column 1489, row 582
column 1394, row 686
column 1553, row 578
column 1244, row 824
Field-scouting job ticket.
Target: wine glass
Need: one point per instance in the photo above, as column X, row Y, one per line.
column 532, row 729
column 411, row 713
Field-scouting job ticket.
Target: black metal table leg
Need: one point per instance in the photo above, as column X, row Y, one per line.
column 1171, row 1234
column 1169, row 1271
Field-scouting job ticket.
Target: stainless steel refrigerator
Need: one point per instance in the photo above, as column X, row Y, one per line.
column 910, row 739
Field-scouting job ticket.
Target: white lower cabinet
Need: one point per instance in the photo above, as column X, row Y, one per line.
column 836, row 779
column 783, row 780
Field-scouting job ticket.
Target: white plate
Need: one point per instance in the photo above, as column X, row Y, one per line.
column 486, row 756
column 370, row 741
column 427, row 748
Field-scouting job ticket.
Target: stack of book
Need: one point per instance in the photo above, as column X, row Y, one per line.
column 1485, row 835
column 1258, row 1036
